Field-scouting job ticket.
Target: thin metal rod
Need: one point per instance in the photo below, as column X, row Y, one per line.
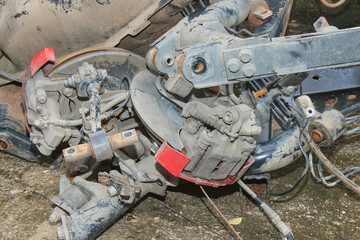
column 227, row 222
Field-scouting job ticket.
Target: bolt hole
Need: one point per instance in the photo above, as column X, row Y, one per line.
column 159, row 182
column 351, row 96
column 316, row 77
column 310, row 111
column 4, row 145
column 199, row 66
column 71, row 150
column 332, row 100
column 128, row 134
column 169, row 61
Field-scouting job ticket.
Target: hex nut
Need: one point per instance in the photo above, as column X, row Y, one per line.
column 233, row 65
column 248, row 69
column 245, row 55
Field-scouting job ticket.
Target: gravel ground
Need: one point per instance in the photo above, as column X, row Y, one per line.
column 314, row 211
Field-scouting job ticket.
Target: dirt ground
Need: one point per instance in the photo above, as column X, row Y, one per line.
column 313, row 211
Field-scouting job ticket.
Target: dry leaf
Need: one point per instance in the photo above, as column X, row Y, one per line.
column 235, row 221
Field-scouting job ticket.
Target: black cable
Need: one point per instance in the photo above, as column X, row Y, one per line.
column 134, row 174
column 305, row 169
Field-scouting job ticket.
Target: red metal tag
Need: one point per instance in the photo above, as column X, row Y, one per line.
column 171, row 160
column 175, row 162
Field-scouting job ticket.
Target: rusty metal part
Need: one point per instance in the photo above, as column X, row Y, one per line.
column 103, row 178
column 259, row 12
column 83, row 151
column 260, row 92
column 77, row 54
column 320, row 24
column 331, row 4
column 328, row 127
column 317, row 135
column 4, row 145
column 76, row 153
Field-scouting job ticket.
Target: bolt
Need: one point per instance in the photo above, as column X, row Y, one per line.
column 228, row 117
column 40, row 109
column 248, row 69
column 112, row 191
column 233, row 65
column 245, row 55
column 317, row 135
column 42, row 99
column 103, row 178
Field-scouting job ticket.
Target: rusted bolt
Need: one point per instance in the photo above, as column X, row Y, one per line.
column 199, row 65
column 4, row 145
column 317, row 136
column 103, row 178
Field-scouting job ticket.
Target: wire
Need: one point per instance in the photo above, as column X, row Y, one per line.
column 348, row 172
column 348, row 183
column 116, row 110
column 134, row 174
column 305, row 169
column 333, row 5
column 227, row 222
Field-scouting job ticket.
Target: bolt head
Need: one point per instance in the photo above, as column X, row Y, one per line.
column 248, row 69
column 245, row 55
column 233, row 65
column 228, row 117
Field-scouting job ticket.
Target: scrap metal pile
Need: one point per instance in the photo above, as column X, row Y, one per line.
column 200, row 106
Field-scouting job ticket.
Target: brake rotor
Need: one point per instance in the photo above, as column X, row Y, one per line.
column 116, row 61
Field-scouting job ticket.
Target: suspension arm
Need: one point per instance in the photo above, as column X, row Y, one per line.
column 224, row 61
